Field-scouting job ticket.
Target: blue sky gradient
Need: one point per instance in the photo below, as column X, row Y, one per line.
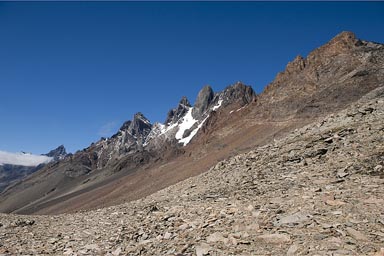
column 71, row 72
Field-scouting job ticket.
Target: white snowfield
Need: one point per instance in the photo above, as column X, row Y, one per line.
column 186, row 123
column 24, row 159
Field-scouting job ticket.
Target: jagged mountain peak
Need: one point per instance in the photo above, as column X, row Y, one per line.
column 175, row 114
column 140, row 125
column 343, row 43
column 125, row 125
column 57, row 153
column 184, row 101
column 140, row 116
column 346, row 37
column 137, row 124
column 238, row 92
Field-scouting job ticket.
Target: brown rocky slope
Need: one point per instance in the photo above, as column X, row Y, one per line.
column 329, row 79
column 316, row 191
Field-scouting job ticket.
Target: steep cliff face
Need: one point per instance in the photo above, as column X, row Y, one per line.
column 142, row 158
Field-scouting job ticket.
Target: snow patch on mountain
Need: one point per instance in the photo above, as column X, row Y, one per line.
column 24, row 159
column 187, row 139
column 218, row 104
column 187, row 122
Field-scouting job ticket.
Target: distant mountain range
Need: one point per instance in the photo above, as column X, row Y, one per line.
column 142, row 158
column 16, row 166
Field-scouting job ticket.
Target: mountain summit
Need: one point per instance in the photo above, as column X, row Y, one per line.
column 58, row 153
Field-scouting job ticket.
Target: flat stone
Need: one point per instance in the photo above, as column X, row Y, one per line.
column 202, row 249
column 117, row 251
column 357, row 235
column 293, row 219
column 292, row 251
column 215, row 237
column 275, row 238
column 334, row 202
column 167, row 235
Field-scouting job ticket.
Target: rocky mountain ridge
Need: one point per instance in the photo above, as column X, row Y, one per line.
column 142, row 158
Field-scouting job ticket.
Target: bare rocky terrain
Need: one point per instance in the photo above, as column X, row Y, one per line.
column 295, row 170
column 143, row 158
column 316, row 191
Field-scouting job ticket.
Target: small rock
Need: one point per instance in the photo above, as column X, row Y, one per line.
column 92, row 247
column 183, row 227
column 202, row 249
column 215, row 237
column 23, row 223
column 292, row 250
column 357, row 235
column 68, row 251
column 167, row 235
column 342, row 174
column 293, row 219
column 275, row 238
column 373, row 200
column 379, row 253
column 334, row 202
column 117, row 251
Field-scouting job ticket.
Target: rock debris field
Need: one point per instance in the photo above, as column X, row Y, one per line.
column 318, row 191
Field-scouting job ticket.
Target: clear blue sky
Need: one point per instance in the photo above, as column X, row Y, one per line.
column 71, row 72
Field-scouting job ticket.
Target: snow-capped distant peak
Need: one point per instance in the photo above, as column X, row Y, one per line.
column 22, row 158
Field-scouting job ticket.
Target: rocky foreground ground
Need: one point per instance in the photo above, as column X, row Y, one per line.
column 318, row 191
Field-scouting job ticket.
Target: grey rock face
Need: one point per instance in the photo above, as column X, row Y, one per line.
column 175, row 114
column 140, row 126
column 125, row 125
column 204, row 98
column 238, row 92
column 57, row 153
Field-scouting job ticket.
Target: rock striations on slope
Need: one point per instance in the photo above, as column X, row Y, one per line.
column 316, row 191
column 142, row 158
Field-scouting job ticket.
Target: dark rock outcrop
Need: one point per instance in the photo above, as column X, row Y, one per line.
column 238, row 93
column 140, row 126
column 204, row 98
